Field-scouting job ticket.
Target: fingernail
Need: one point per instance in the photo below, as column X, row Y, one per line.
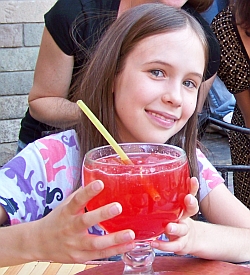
column 173, row 228
column 128, row 236
column 97, row 185
column 115, row 209
column 191, row 201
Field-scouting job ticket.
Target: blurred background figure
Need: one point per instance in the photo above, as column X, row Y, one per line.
column 232, row 29
column 72, row 29
column 221, row 101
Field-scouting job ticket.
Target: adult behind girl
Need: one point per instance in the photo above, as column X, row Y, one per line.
column 147, row 69
column 62, row 54
column 232, row 28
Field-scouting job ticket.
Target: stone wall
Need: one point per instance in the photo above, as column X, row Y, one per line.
column 21, row 26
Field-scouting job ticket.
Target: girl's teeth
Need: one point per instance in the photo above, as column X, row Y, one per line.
column 159, row 116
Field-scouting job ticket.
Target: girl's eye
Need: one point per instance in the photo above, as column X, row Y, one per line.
column 157, row 73
column 189, row 84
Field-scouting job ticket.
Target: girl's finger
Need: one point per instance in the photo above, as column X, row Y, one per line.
column 104, row 253
column 109, row 240
column 103, row 213
column 192, row 206
column 194, row 186
column 175, row 246
column 176, row 229
column 80, row 197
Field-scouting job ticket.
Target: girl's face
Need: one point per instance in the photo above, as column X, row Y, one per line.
column 156, row 92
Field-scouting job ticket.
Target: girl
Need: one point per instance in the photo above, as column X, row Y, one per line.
column 143, row 84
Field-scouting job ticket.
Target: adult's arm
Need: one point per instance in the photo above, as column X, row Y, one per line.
column 48, row 97
column 243, row 101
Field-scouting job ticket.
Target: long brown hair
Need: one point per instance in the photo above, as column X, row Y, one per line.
column 200, row 5
column 95, row 83
column 241, row 11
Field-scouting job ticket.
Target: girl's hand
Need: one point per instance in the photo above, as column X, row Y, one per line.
column 192, row 206
column 63, row 234
column 181, row 235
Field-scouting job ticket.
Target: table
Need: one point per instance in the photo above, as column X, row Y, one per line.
column 44, row 268
column 175, row 265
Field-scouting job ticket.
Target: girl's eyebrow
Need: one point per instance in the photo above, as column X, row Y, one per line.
column 167, row 64
column 197, row 74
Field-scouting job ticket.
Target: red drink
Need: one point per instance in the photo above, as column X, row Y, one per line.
column 151, row 191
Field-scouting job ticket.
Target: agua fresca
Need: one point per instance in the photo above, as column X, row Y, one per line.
column 151, row 191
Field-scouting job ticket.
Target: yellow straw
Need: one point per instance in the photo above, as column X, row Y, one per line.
column 104, row 132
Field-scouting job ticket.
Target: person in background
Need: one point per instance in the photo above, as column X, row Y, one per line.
column 140, row 72
column 221, row 102
column 232, row 29
column 72, row 28
column 216, row 7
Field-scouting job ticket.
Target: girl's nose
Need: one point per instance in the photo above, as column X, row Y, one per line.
column 173, row 96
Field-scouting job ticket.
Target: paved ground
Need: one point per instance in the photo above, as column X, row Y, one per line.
column 218, row 151
column 218, row 148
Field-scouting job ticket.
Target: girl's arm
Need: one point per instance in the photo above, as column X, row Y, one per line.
column 222, row 207
column 225, row 237
column 48, row 97
column 62, row 236
column 229, row 240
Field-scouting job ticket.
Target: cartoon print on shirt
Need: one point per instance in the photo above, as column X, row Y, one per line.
column 66, row 179
column 22, row 182
column 51, row 195
column 11, row 206
column 41, row 191
column 31, row 209
column 52, row 154
column 71, row 142
column 209, row 173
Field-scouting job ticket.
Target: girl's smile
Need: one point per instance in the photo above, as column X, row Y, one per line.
column 163, row 119
column 155, row 84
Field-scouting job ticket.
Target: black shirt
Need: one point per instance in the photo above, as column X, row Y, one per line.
column 91, row 18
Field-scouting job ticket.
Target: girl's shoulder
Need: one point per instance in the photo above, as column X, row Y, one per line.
column 67, row 138
column 206, row 168
column 62, row 147
column 43, row 174
column 209, row 177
